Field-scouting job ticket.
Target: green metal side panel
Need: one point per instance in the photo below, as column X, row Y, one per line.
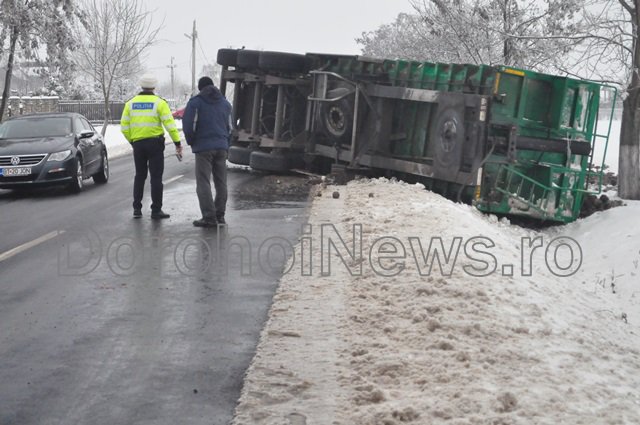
column 413, row 119
column 543, row 105
column 539, row 184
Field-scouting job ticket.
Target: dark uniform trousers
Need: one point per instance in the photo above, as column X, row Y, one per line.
column 148, row 156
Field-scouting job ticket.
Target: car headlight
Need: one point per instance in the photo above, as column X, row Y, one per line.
column 59, row 156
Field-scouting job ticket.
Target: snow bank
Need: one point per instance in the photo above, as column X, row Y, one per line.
column 391, row 346
column 115, row 141
column 118, row 146
column 611, row 258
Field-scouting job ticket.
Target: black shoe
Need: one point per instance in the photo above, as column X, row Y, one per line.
column 203, row 222
column 159, row 215
column 220, row 219
column 137, row 213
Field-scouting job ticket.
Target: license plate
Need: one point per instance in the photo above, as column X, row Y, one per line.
column 14, row 172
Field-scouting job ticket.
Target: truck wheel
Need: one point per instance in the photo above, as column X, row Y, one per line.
column 239, row 155
column 283, row 62
column 264, row 161
column 337, row 120
column 449, row 138
column 227, row 57
column 248, row 59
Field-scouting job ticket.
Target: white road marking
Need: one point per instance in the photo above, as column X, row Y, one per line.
column 172, row 179
column 25, row 246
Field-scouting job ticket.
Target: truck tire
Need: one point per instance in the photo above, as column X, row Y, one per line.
column 240, row 155
column 227, row 57
column 448, row 137
column 248, row 59
column 336, row 118
column 264, row 161
column 282, row 62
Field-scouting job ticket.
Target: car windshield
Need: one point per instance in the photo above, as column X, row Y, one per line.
column 35, row 127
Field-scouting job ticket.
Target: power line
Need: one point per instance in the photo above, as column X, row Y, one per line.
column 152, row 68
column 206, row 59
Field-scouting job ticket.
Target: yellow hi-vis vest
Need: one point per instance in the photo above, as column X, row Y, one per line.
column 144, row 116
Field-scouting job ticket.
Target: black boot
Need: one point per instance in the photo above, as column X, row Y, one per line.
column 159, row 215
column 203, row 222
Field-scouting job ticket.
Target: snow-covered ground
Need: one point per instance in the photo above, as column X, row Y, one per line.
column 386, row 348
column 389, row 345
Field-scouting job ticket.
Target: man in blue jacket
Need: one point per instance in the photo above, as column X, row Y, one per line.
column 206, row 126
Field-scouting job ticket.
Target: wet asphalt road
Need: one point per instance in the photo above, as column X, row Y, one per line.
column 111, row 320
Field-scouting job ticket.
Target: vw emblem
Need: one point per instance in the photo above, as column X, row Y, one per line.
column 15, row 160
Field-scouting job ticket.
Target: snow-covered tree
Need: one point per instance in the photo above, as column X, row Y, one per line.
column 609, row 51
column 33, row 26
column 116, row 36
column 408, row 37
column 595, row 39
column 50, row 87
column 478, row 31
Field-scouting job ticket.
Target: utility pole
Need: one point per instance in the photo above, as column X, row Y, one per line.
column 173, row 90
column 193, row 36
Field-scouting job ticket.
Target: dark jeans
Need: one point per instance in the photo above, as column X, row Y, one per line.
column 148, row 156
column 214, row 163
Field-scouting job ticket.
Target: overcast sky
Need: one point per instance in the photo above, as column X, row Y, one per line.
column 298, row 26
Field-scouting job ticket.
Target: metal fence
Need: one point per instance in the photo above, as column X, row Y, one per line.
column 92, row 109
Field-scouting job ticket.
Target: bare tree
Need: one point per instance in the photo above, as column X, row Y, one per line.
column 116, row 35
column 478, row 31
column 435, row 33
column 606, row 48
column 595, row 39
column 614, row 33
column 611, row 51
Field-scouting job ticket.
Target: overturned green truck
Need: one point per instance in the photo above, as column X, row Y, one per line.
column 510, row 141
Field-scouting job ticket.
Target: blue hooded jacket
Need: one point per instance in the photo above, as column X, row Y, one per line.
column 206, row 120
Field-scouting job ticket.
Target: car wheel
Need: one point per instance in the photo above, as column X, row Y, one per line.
column 227, row 57
column 264, row 161
column 240, row 155
column 283, row 62
column 102, row 176
column 78, row 183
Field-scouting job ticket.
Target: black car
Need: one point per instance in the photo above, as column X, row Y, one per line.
column 51, row 149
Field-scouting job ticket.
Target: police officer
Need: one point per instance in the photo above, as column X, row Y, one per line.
column 141, row 123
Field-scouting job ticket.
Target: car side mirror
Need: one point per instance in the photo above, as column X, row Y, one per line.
column 84, row 134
